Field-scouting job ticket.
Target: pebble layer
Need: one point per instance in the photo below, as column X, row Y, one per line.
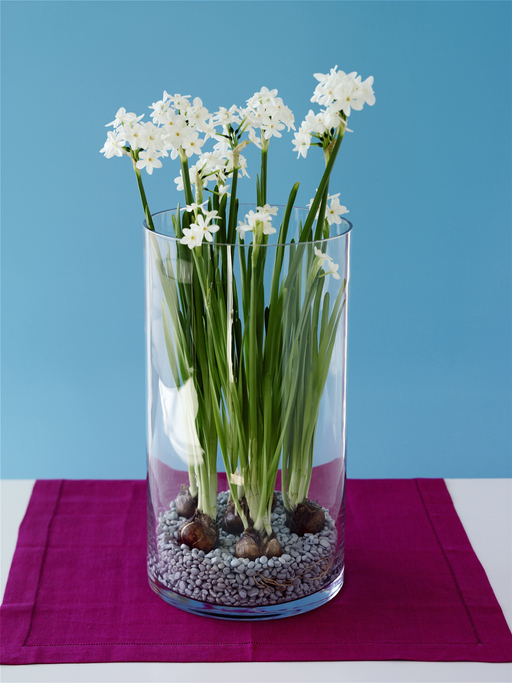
column 308, row 563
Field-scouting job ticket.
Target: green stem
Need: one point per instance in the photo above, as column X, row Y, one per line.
column 147, row 213
column 263, row 186
column 187, row 187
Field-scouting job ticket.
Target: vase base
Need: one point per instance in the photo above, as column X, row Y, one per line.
column 249, row 613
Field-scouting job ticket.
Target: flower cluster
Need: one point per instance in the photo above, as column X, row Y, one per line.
column 175, row 128
column 217, row 166
column 201, row 228
column 180, row 126
column 338, row 93
column 259, row 221
column 267, row 112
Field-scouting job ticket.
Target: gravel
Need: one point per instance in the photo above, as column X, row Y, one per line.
column 308, row 563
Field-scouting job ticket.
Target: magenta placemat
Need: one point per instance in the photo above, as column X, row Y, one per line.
column 78, row 590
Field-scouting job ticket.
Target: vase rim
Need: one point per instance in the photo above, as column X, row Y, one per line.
column 347, row 225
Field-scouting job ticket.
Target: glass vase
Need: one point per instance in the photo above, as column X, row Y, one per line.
column 246, row 402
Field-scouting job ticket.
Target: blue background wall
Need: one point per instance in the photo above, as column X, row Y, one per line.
column 426, row 176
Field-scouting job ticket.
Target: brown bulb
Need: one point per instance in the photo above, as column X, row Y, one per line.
column 199, row 532
column 272, row 548
column 186, row 505
column 231, row 522
column 249, row 546
column 307, row 518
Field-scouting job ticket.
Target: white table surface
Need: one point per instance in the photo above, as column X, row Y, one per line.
column 483, row 505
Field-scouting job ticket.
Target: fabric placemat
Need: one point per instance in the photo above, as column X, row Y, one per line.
column 414, row 589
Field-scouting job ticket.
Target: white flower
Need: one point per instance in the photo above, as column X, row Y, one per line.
column 322, row 256
column 349, row 99
column 179, row 183
column 330, row 119
column 333, row 270
column 339, row 91
column 134, row 134
column 313, row 123
column 367, row 91
column 301, row 141
column 329, row 197
column 194, row 206
column 271, row 210
column 198, row 115
column 224, row 189
column 254, row 138
column 192, row 237
column 210, row 215
column 242, row 227
column 192, row 143
column 113, row 146
column 225, row 116
column 123, row 117
column 267, row 112
column 272, row 128
column 335, row 211
column 149, row 161
column 325, row 261
column 203, row 227
column 177, row 136
column 160, row 109
column 259, row 221
column 179, row 102
column 150, row 137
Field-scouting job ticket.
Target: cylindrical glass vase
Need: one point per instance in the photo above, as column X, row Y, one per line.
column 246, row 403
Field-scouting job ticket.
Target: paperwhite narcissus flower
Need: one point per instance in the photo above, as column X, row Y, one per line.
column 179, row 102
column 225, row 116
column 339, row 93
column 192, row 237
column 329, row 198
column 367, row 90
column 192, row 144
column 113, row 146
column 327, row 261
column 124, row 117
column 194, row 207
column 267, row 112
column 160, row 109
column 333, row 270
column 150, row 137
column 259, row 221
column 203, row 226
column 302, row 141
column 133, row 133
column 198, row 115
column 177, row 124
column 211, row 215
column 322, row 255
column 313, row 123
column 149, row 161
column 335, row 211
column 177, row 136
